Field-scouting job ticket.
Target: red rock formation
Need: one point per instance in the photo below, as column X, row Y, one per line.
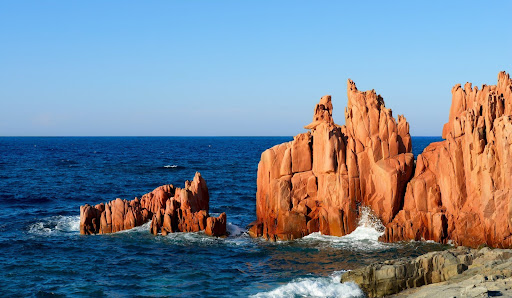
column 461, row 190
column 216, row 226
column 318, row 181
column 171, row 209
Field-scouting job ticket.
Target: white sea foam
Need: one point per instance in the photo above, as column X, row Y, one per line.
column 181, row 238
column 316, row 287
column 171, row 166
column 237, row 237
column 142, row 228
column 234, row 230
column 364, row 237
column 56, row 225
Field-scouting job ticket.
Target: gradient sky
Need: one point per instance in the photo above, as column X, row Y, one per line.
column 215, row 68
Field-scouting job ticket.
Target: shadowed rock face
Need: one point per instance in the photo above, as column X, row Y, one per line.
column 461, row 190
column 171, row 209
column 318, row 181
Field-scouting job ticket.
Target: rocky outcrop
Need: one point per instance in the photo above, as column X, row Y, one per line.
column 171, row 209
column 318, row 181
column 455, row 269
column 216, row 226
column 461, row 190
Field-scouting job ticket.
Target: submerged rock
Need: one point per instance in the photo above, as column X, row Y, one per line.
column 171, row 209
column 318, row 181
column 459, row 272
column 462, row 187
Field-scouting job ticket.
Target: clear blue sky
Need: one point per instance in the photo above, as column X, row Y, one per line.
column 171, row 68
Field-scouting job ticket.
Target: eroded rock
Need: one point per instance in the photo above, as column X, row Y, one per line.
column 461, row 190
column 318, row 181
column 171, row 209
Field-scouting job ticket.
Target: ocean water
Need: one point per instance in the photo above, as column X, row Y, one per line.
column 43, row 182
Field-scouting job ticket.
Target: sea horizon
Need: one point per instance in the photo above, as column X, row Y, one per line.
column 263, row 149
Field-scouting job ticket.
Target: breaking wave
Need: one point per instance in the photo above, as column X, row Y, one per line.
column 56, row 225
column 316, row 287
column 364, row 237
column 234, row 230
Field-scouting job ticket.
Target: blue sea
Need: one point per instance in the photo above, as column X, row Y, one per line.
column 44, row 180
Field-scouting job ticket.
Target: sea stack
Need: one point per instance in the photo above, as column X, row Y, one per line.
column 318, row 181
column 171, row 209
column 461, row 190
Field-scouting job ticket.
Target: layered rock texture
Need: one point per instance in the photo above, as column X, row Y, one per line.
column 171, row 209
column 461, row 190
column 459, row 272
column 318, row 181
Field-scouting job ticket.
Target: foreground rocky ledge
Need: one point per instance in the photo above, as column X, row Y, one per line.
column 459, row 272
column 171, row 209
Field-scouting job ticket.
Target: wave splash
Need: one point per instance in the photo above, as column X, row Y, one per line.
column 56, row 226
column 316, row 287
column 369, row 227
column 364, row 237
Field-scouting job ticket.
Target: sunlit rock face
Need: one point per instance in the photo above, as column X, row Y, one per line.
column 170, row 208
column 318, row 181
column 461, row 190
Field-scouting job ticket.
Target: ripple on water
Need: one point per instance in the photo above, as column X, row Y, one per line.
column 56, row 226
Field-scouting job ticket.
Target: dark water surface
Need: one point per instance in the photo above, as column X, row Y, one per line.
column 43, row 181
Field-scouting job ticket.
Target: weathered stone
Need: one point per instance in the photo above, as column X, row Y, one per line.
column 447, row 267
column 171, row 210
column 301, row 153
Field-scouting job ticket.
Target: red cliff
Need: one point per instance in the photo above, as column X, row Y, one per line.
column 318, row 181
column 461, row 190
column 171, row 209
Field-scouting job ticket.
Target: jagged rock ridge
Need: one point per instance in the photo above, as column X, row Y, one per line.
column 171, row 209
column 318, row 181
column 461, row 190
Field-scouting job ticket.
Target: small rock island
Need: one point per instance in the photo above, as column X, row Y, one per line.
column 170, row 208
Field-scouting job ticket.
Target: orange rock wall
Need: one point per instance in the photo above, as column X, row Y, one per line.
column 461, row 190
column 318, row 181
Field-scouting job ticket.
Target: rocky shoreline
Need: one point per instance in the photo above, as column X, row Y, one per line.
column 456, row 272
